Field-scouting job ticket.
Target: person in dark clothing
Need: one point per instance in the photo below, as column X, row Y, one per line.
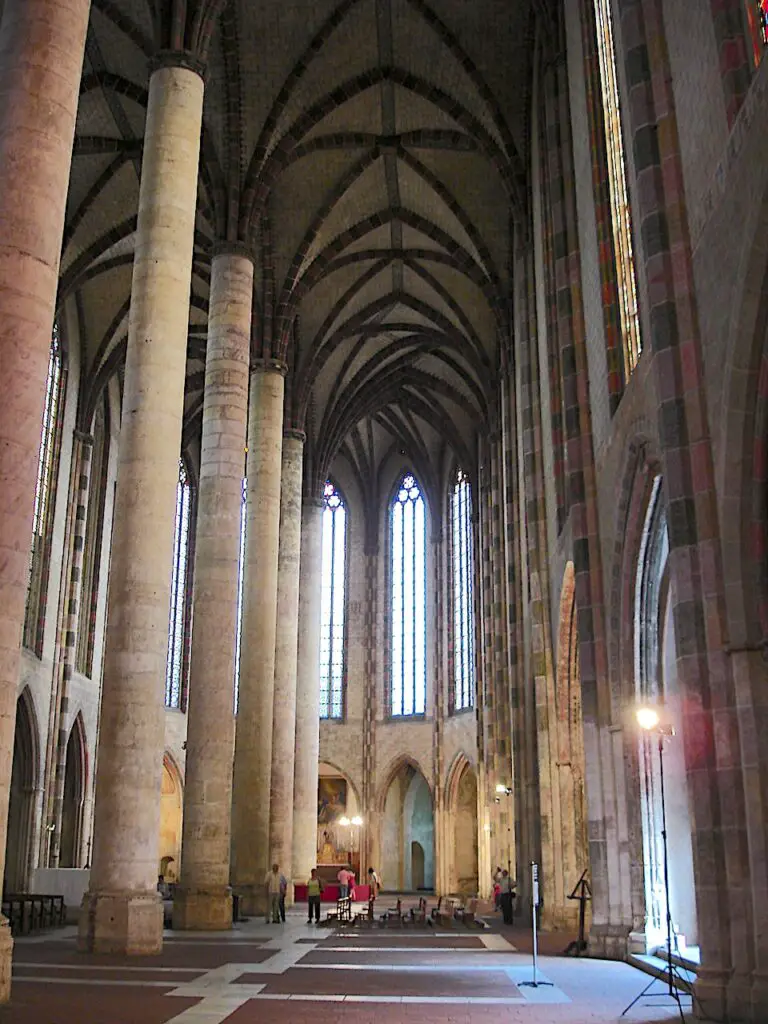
column 507, row 896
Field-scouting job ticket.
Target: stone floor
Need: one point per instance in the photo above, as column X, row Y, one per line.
column 300, row 974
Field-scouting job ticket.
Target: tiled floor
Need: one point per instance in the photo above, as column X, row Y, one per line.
column 300, row 974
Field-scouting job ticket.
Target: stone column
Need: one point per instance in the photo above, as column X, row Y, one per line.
column 253, row 742
column 121, row 912
column 308, row 693
column 41, row 57
column 203, row 897
column 284, row 722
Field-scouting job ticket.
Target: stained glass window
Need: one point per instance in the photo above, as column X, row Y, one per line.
column 240, row 576
column 408, row 670
column 47, row 466
column 757, row 20
column 333, row 604
column 174, row 668
column 617, row 182
column 463, row 611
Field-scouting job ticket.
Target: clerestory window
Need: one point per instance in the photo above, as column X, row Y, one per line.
column 177, row 627
column 621, row 220
column 45, row 494
column 462, row 594
column 333, row 603
column 408, row 580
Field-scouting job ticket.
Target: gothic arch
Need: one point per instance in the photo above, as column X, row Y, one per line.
column 75, row 788
column 25, row 776
column 171, row 807
column 388, row 776
column 741, row 466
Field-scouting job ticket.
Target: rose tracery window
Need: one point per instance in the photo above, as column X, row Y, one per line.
column 408, row 635
column 333, row 600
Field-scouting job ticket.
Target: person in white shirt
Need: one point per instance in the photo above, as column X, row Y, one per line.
column 273, row 884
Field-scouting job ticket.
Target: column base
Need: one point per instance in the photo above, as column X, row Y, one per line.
column 6, row 953
column 608, row 942
column 130, row 923
column 253, row 900
column 205, row 910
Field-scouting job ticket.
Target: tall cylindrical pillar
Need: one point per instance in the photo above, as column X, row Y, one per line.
column 308, row 693
column 41, row 57
column 121, row 912
column 284, row 722
column 203, row 898
column 253, row 740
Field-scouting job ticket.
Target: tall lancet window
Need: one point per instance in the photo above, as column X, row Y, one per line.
column 333, row 587
column 462, row 594
column 240, row 577
column 174, row 668
column 621, row 220
column 757, row 22
column 45, row 493
column 408, row 575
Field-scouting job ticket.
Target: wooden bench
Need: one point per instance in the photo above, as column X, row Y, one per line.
column 343, row 912
column 366, row 916
column 33, row 912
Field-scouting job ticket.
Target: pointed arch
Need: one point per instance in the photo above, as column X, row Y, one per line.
column 75, row 788
column 25, row 780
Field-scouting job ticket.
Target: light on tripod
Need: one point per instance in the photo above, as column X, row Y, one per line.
column 647, row 718
column 650, row 721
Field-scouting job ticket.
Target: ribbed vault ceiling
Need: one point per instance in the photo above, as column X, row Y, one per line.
column 372, row 153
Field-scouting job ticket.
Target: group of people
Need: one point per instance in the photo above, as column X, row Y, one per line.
column 504, row 893
column 276, row 885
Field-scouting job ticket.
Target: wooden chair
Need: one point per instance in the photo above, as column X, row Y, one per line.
column 366, row 916
column 419, row 916
column 343, row 912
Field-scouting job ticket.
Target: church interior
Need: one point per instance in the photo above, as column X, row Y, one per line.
column 384, row 461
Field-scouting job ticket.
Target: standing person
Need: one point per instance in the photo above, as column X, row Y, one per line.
column 314, row 892
column 283, row 890
column 272, row 884
column 373, row 882
column 343, row 878
column 497, row 875
column 507, row 896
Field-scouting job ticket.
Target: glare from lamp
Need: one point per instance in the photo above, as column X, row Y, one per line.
column 647, row 718
column 357, row 821
column 344, row 821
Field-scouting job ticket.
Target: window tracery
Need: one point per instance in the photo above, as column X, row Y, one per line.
column 174, row 669
column 462, row 593
column 333, row 603
column 621, row 220
column 45, row 488
column 757, row 22
column 408, row 635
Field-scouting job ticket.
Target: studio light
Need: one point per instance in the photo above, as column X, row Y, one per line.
column 647, row 718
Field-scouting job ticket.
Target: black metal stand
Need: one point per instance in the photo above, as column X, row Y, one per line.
column 672, row 991
column 582, row 893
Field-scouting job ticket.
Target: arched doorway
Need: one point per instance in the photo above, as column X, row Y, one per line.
column 74, row 796
column 656, row 684
column 22, row 797
column 465, row 852
column 408, row 826
column 171, row 802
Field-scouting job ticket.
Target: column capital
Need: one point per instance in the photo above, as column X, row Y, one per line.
column 83, row 437
column 225, row 248
column 310, row 501
column 292, row 434
column 269, row 366
column 177, row 59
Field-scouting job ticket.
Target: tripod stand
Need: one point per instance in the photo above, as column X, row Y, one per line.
column 670, row 971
